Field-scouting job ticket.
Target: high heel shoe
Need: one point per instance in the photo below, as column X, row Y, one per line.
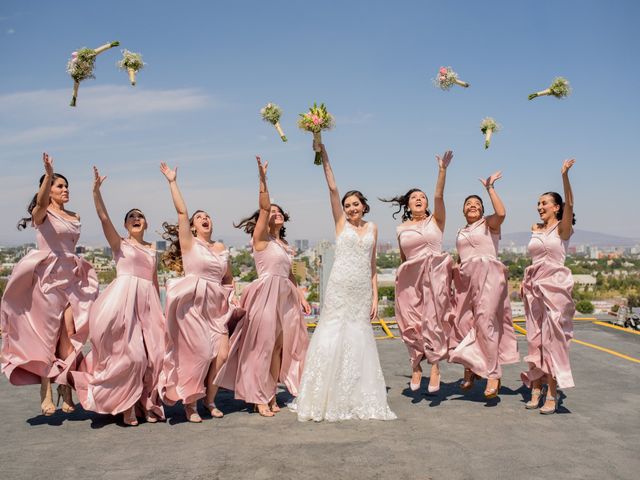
column 191, row 412
column 493, row 392
column 273, row 406
column 536, row 398
column 550, row 411
column 467, row 382
column 46, row 405
column 213, row 410
column 129, row 417
column 415, row 386
column 67, row 403
column 434, row 388
column 263, row 410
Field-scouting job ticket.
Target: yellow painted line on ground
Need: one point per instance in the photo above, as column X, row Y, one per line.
column 575, row 319
column 591, row 345
column 617, row 327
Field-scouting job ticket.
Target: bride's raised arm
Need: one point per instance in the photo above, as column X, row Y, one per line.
column 334, row 196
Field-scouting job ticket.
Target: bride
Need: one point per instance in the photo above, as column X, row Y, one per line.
column 342, row 378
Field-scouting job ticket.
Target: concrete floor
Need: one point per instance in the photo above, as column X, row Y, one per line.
column 595, row 435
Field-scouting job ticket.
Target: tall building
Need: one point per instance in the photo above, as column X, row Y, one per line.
column 302, row 245
column 161, row 245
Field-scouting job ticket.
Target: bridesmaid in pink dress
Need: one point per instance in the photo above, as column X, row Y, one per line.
column 270, row 344
column 198, row 307
column 483, row 330
column 126, row 327
column 423, row 294
column 548, row 304
column 45, row 307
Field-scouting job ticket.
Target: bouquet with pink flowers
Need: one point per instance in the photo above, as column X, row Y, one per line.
column 81, row 64
column 487, row 127
column 559, row 88
column 271, row 113
column 314, row 121
column 447, row 78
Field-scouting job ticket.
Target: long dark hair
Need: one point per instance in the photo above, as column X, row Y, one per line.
column 172, row 257
column 248, row 224
column 402, row 202
column 557, row 199
column 477, row 197
column 361, row 197
column 22, row 223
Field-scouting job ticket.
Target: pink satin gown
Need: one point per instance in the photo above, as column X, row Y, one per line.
column 423, row 292
column 42, row 285
column 549, row 309
column 127, row 339
column 272, row 308
column 198, row 312
column 483, row 330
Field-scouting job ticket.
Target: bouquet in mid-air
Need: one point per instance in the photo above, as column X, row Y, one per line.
column 271, row 113
column 488, row 126
column 132, row 63
column 314, row 121
column 81, row 64
column 447, row 78
column 560, row 88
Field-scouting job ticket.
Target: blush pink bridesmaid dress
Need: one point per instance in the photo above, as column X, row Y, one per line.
column 549, row 309
column 423, row 292
column 127, row 339
column 272, row 308
column 483, row 331
column 42, row 285
column 198, row 312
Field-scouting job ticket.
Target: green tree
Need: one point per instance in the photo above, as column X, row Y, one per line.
column 389, row 311
column 250, row 276
column 389, row 292
column 584, row 306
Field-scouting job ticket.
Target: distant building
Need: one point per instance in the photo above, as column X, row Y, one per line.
column 302, row 245
column 582, row 279
column 106, row 251
column 161, row 245
column 299, row 269
column 80, row 249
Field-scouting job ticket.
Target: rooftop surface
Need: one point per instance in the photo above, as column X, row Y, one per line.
column 595, row 435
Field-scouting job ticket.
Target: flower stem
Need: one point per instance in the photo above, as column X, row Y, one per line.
column 76, row 85
column 461, row 83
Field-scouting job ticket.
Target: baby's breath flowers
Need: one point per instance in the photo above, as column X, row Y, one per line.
column 487, row 127
column 560, row 88
column 271, row 113
column 81, row 64
column 132, row 63
column 447, row 78
column 314, row 121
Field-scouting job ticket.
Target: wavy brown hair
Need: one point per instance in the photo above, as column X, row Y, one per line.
column 248, row 224
column 402, row 202
column 172, row 257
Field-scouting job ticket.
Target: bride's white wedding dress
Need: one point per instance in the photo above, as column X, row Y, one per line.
column 342, row 378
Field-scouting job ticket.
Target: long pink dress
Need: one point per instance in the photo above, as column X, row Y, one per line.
column 198, row 312
column 484, row 331
column 549, row 309
column 127, row 339
column 272, row 308
column 423, row 293
column 42, row 285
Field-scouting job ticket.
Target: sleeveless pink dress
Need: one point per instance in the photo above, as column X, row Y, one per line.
column 272, row 307
column 549, row 309
column 198, row 312
column 483, row 331
column 126, row 328
column 41, row 287
column 423, row 293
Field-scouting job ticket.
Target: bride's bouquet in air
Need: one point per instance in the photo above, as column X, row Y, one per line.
column 132, row 63
column 560, row 88
column 81, row 64
column 447, row 78
column 488, row 126
column 315, row 121
column 271, row 113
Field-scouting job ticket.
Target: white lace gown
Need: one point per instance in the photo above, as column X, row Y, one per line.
column 342, row 377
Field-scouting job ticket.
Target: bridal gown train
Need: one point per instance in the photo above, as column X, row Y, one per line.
column 342, row 377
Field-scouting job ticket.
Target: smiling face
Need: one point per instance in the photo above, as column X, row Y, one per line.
column 59, row 191
column 201, row 224
column 547, row 208
column 472, row 209
column 135, row 222
column 353, row 208
column 418, row 204
column 276, row 217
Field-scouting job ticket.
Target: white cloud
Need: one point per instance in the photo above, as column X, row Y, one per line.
column 37, row 134
column 10, row 31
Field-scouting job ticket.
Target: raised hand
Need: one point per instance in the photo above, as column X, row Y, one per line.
column 491, row 180
column 567, row 164
column 48, row 164
column 171, row 175
column 97, row 179
column 445, row 160
column 262, row 167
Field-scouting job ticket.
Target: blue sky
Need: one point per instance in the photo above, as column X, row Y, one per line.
column 212, row 65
